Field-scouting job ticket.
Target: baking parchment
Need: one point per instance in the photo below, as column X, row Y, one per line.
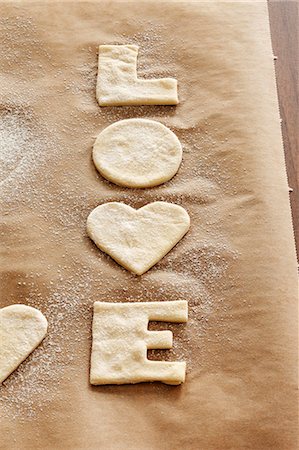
column 236, row 266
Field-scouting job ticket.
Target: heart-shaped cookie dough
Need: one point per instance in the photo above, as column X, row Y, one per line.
column 22, row 328
column 137, row 239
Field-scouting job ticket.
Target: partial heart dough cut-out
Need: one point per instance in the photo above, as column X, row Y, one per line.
column 137, row 153
column 118, row 85
column 120, row 339
column 137, row 239
column 22, row 328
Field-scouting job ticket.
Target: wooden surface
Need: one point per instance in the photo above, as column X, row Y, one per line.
column 284, row 30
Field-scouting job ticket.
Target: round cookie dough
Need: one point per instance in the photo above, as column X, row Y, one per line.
column 137, row 153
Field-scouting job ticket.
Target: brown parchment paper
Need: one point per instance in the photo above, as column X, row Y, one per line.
column 236, row 266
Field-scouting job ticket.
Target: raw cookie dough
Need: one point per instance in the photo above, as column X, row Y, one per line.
column 137, row 239
column 120, row 339
column 137, row 153
column 117, row 82
column 22, row 328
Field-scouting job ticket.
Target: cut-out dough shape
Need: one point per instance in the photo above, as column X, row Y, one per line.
column 22, row 328
column 137, row 153
column 120, row 339
column 118, row 85
column 137, row 239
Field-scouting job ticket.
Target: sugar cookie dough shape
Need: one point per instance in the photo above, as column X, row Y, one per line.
column 137, row 239
column 22, row 328
column 118, row 84
column 120, row 339
column 137, row 153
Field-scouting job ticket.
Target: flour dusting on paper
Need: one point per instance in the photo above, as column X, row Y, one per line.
column 38, row 152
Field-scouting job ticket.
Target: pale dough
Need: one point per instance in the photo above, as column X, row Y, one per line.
column 137, row 239
column 22, row 328
column 120, row 339
column 137, row 153
column 117, row 82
